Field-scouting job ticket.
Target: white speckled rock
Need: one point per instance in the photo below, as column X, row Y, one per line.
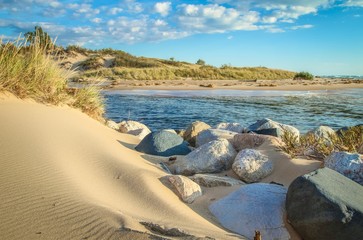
column 233, row 127
column 187, row 189
column 251, row 166
column 213, row 134
column 212, row 157
column 257, row 206
column 134, row 128
column 348, row 164
column 113, row 125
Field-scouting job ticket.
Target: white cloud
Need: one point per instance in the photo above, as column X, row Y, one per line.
column 115, row 10
column 306, row 26
column 131, row 21
column 96, row 20
column 353, row 3
column 162, row 8
column 55, row 4
column 215, row 18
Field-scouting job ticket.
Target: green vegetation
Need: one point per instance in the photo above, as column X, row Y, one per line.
column 189, row 71
column 310, row 144
column 28, row 72
column 93, row 62
column 303, row 76
column 126, row 66
column 39, row 37
column 200, row 62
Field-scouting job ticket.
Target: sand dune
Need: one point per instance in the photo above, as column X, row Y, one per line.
column 64, row 175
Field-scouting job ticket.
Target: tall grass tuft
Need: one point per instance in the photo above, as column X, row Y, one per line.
column 27, row 71
column 310, row 144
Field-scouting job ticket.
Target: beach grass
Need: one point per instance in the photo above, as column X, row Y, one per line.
column 129, row 67
column 349, row 140
column 27, row 71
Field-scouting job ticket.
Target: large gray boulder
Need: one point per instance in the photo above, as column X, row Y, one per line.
column 213, row 134
column 249, row 140
column 193, row 130
column 163, row 143
column 251, row 165
column 348, row 164
column 212, row 157
column 258, row 206
column 134, row 128
column 325, row 205
column 268, row 127
column 233, row 127
column 187, row 189
column 209, row 180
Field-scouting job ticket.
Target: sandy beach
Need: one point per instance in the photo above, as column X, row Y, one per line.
column 67, row 176
column 284, row 84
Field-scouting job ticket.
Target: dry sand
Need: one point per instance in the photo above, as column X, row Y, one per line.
column 64, row 175
column 283, row 84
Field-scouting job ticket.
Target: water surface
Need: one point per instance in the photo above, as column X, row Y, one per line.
column 175, row 109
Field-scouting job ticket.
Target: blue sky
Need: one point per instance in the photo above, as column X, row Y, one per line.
column 320, row 36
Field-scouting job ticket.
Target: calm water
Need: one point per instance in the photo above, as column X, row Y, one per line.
column 176, row 109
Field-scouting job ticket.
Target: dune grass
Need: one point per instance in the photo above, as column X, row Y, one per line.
column 27, row 71
column 349, row 140
column 194, row 72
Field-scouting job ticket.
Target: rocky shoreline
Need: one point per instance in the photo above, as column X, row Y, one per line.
column 228, row 154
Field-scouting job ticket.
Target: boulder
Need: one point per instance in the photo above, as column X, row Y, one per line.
column 348, row 164
column 213, row 134
column 212, row 157
column 163, row 143
column 277, row 129
column 323, row 132
column 113, row 125
column 134, row 128
column 187, row 189
column 193, row 130
column 209, row 180
column 325, row 205
column 171, row 130
column 275, row 132
column 251, row 165
column 248, row 140
column 258, row 206
column 233, row 127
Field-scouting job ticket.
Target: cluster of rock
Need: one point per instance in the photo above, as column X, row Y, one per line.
column 324, row 204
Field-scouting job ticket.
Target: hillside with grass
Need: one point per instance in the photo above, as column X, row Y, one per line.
column 118, row 65
column 28, row 70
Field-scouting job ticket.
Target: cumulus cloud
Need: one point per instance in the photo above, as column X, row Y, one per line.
column 131, row 21
column 215, row 18
column 115, row 10
column 163, row 8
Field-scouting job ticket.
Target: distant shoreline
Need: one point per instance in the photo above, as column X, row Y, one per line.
column 286, row 84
